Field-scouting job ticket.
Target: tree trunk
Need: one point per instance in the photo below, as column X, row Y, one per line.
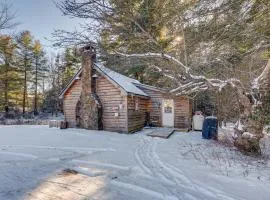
column 6, row 88
column 249, row 137
column 24, row 91
column 36, row 88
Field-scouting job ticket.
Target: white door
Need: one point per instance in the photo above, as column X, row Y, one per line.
column 168, row 113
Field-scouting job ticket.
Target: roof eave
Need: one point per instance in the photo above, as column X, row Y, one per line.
column 140, row 95
column 151, row 87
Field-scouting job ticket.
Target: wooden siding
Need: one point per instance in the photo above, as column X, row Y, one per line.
column 182, row 108
column 137, row 117
column 182, row 112
column 71, row 98
column 155, row 106
column 112, row 102
column 111, row 99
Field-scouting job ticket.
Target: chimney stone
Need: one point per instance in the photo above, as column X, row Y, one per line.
column 88, row 107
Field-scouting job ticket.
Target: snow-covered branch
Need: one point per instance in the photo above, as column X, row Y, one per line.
column 157, row 55
column 196, row 82
column 262, row 45
column 262, row 78
column 170, row 76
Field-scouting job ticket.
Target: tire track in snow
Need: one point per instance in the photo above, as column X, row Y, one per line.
column 139, row 159
column 148, row 156
column 181, row 179
column 180, row 182
column 171, row 177
column 143, row 155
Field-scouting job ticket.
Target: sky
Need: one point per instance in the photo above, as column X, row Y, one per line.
column 41, row 18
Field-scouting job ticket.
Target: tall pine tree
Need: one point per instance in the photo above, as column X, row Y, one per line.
column 7, row 49
column 40, row 69
column 25, row 61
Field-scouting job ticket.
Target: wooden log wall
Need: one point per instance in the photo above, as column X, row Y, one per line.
column 182, row 108
column 182, row 112
column 113, row 103
column 155, row 106
column 137, row 116
column 71, row 98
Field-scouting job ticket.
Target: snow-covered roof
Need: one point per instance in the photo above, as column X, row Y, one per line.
column 126, row 83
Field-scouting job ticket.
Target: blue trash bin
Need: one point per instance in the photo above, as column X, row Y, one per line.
column 210, row 128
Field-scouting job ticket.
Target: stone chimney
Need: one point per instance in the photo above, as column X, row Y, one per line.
column 88, row 60
column 88, row 105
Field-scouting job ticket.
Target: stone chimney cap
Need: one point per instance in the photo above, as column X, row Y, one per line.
column 89, row 47
column 89, row 50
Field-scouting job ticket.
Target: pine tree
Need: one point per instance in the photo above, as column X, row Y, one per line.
column 40, row 69
column 7, row 48
column 70, row 65
column 25, row 62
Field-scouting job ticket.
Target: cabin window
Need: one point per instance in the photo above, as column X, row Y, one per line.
column 168, row 106
column 136, row 102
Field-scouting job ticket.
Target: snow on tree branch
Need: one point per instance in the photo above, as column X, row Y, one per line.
column 262, row 78
column 170, row 76
column 196, row 82
column 156, row 55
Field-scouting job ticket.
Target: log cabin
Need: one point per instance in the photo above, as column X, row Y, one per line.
column 126, row 105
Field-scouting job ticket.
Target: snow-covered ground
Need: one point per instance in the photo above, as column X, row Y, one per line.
column 120, row 166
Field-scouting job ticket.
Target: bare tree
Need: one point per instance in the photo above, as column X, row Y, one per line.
column 7, row 16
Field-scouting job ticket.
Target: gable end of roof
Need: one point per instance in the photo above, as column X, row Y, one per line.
column 125, row 83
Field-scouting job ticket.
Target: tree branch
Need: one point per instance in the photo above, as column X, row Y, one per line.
column 196, row 82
